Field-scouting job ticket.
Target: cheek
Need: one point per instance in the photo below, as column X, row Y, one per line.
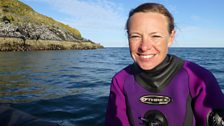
column 164, row 50
column 132, row 51
column 162, row 46
column 133, row 46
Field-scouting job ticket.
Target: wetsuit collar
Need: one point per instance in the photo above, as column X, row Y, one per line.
column 160, row 76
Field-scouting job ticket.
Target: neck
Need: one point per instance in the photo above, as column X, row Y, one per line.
column 158, row 77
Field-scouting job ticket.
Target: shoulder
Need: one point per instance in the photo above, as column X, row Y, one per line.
column 123, row 74
column 194, row 69
column 117, row 83
column 200, row 78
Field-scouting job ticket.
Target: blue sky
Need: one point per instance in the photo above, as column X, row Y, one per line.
column 198, row 23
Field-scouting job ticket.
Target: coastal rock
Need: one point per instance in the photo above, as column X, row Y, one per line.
column 36, row 32
column 19, row 22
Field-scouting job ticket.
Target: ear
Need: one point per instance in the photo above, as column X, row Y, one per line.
column 171, row 38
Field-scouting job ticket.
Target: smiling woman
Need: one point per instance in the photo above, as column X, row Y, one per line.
column 149, row 39
column 148, row 91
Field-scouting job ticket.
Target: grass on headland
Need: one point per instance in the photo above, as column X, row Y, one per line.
column 17, row 44
column 18, row 13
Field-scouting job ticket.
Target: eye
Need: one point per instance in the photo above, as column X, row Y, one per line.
column 134, row 36
column 156, row 36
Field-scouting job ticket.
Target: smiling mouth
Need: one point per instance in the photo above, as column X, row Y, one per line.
column 149, row 56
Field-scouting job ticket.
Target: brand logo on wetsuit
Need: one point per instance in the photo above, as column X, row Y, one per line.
column 155, row 99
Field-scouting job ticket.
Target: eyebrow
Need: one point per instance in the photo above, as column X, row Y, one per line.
column 155, row 33
column 149, row 33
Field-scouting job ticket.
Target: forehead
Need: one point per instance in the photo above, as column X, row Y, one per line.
column 149, row 21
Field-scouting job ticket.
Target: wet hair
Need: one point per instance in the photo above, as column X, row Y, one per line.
column 155, row 8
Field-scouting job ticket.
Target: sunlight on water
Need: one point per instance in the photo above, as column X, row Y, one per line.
column 72, row 87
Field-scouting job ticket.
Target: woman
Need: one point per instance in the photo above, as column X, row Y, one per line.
column 159, row 89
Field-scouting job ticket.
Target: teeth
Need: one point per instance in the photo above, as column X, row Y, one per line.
column 147, row 56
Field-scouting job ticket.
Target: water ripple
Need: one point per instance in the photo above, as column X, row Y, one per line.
column 71, row 87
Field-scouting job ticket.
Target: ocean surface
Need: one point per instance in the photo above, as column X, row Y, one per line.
column 71, row 87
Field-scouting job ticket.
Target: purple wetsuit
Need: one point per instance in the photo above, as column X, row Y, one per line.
column 185, row 95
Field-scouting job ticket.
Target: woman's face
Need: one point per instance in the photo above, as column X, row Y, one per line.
column 149, row 39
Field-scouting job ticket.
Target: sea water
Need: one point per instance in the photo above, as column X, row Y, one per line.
column 71, row 87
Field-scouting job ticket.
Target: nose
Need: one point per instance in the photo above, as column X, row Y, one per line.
column 145, row 44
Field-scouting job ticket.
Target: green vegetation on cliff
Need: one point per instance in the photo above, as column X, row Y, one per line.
column 23, row 29
column 19, row 13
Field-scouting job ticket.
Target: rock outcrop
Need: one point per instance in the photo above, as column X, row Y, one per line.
column 37, row 31
column 17, row 20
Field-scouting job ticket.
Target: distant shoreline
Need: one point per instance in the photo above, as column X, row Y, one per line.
column 18, row 44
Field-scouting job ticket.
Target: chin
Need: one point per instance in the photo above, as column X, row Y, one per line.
column 147, row 66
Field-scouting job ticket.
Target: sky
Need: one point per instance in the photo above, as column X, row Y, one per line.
column 198, row 23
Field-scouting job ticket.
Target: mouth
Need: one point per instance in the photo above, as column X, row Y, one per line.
column 146, row 56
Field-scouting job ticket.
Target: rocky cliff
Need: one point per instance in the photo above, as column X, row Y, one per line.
column 18, row 20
